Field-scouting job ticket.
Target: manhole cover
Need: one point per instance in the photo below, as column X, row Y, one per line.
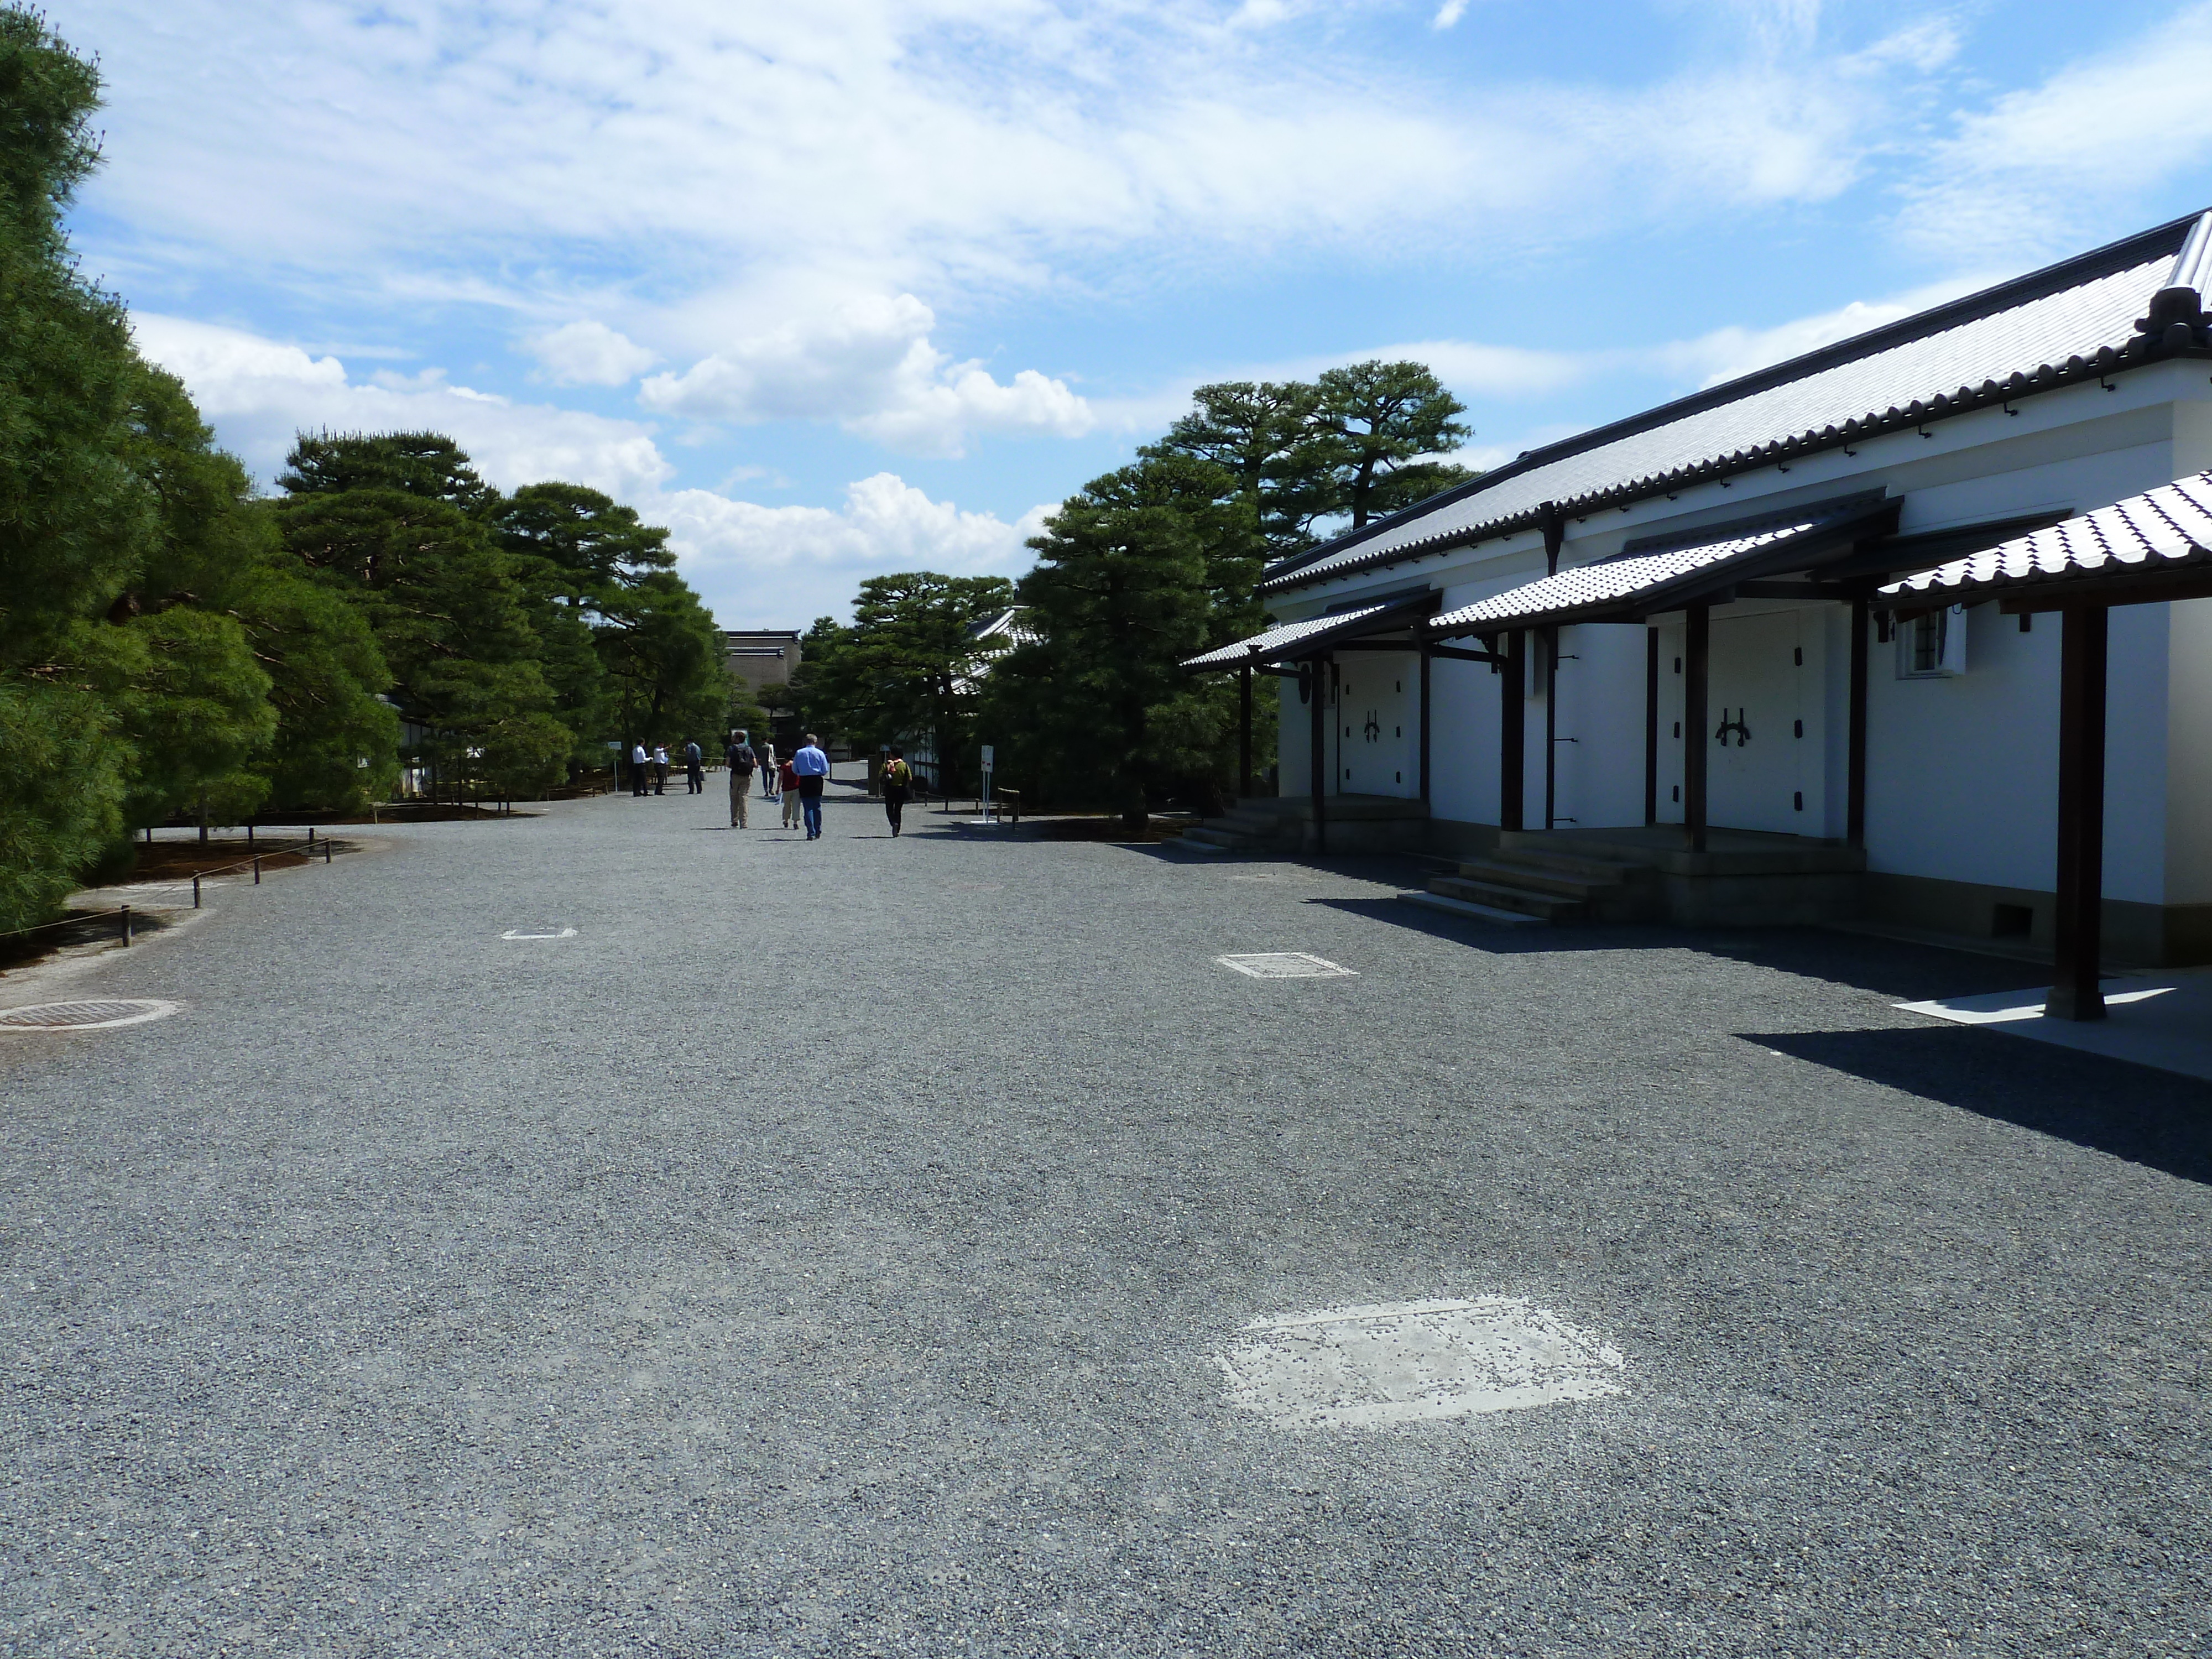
column 82, row 1015
column 1285, row 965
column 1407, row 1361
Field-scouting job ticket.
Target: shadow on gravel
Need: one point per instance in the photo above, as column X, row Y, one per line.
column 2147, row 1117
column 1909, row 973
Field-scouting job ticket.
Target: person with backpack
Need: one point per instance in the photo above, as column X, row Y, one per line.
column 771, row 772
column 695, row 775
column 786, row 789
column 811, row 768
column 898, row 782
column 741, row 761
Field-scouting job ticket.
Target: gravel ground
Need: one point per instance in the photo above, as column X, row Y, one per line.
column 821, row 1251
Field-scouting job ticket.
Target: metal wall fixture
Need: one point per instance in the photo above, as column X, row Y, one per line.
column 1742, row 732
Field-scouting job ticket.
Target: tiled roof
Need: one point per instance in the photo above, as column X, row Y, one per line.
column 1589, row 586
column 2070, row 323
column 1277, row 641
column 1007, row 627
column 2169, row 528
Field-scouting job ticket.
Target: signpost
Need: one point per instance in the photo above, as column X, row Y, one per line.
column 990, row 815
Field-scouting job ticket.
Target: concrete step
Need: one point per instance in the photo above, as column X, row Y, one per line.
column 1542, row 906
column 1586, row 885
column 1580, row 866
column 1212, row 837
column 1452, row 907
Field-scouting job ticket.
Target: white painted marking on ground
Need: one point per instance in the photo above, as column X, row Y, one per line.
column 1414, row 1361
column 1285, row 965
column 565, row 933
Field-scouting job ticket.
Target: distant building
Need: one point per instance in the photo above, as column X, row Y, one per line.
column 762, row 656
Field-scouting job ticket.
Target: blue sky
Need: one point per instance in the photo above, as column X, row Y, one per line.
column 865, row 285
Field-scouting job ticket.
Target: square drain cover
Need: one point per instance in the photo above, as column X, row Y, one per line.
column 1285, row 965
column 1407, row 1362
column 83, row 1016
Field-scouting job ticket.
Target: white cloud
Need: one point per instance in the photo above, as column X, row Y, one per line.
column 2031, row 173
column 783, row 565
column 874, row 145
column 260, row 393
column 1450, row 13
column 589, row 353
column 869, row 366
column 766, row 565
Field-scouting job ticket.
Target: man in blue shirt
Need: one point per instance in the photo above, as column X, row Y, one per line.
column 812, row 766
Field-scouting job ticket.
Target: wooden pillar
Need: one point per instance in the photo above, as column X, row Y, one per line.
column 1697, row 653
column 1651, row 725
column 1319, row 768
column 1854, row 765
column 1425, row 723
column 1244, row 732
column 2074, row 993
column 1512, row 731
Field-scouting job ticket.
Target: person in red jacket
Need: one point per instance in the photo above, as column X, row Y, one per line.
column 787, row 784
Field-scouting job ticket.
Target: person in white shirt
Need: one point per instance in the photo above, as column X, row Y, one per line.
column 659, row 769
column 770, row 775
column 637, row 768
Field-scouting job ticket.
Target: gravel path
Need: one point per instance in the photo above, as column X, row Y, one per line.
column 822, row 1252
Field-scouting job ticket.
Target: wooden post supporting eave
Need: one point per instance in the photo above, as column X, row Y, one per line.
column 1697, row 655
column 2074, row 990
column 1512, row 731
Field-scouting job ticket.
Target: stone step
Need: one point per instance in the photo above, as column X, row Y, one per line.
column 1212, row 837
column 1582, row 865
column 1489, row 912
column 1543, row 907
column 1584, row 885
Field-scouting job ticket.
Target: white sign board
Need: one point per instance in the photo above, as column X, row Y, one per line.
column 986, row 757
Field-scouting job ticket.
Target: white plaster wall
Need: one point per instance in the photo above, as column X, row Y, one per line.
column 2189, row 753
column 1294, row 776
column 1962, row 773
column 1962, row 776
column 2136, row 737
column 1834, row 623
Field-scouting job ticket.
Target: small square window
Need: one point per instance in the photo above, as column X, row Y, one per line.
column 1933, row 645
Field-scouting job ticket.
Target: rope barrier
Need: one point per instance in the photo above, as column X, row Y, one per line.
column 123, row 911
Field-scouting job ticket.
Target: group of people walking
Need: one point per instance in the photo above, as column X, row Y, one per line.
column 795, row 781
